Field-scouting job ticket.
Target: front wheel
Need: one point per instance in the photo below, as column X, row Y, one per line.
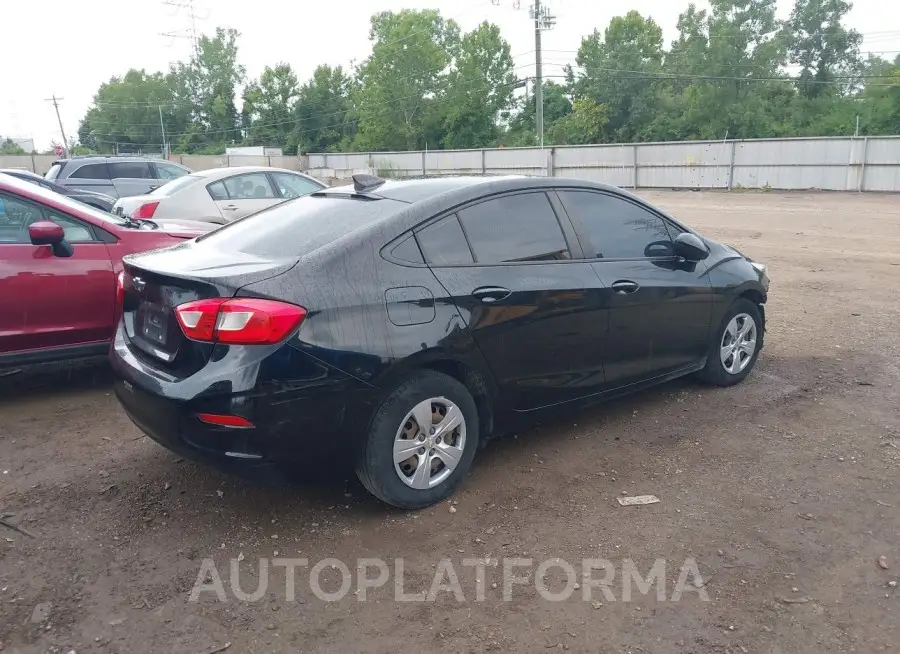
column 421, row 441
column 735, row 345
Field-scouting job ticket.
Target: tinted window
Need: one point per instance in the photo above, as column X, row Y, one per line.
column 293, row 186
column 252, row 186
column 168, row 171
column 295, row 228
column 444, row 243
column 514, row 228
column 130, row 170
column 91, row 171
column 616, row 227
column 407, row 250
column 217, row 191
column 15, row 217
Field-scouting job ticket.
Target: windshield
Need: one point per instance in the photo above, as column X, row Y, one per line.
column 53, row 173
column 64, row 202
column 175, row 185
column 297, row 227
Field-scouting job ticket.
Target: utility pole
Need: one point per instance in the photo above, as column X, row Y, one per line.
column 162, row 127
column 538, row 74
column 62, row 131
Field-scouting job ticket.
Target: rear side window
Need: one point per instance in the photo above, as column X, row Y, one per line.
column 91, row 171
column 444, row 244
column 130, row 170
column 252, row 186
column 298, row 227
column 514, row 228
column 217, row 191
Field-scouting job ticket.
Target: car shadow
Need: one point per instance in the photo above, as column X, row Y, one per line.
column 17, row 382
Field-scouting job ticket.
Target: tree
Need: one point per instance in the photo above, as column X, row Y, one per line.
column 522, row 127
column 8, row 146
column 268, row 110
column 821, row 45
column 204, row 89
column 125, row 114
column 479, row 88
column 323, row 113
column 401, row 78
column 587, row 123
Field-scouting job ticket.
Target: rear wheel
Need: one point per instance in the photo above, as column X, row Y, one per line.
column 735, row 345
column 421, row 441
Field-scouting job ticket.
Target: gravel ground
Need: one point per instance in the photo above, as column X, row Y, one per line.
column 784, row 491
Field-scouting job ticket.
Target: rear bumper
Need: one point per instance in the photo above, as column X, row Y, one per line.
column 304, row 413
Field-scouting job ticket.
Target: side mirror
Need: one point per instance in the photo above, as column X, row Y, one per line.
column 45, row 232
column 690, row 247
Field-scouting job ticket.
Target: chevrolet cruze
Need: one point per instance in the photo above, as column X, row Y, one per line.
column 394, row 326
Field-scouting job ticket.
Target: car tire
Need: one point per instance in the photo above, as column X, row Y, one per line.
column 425, row 476
column 729, row 336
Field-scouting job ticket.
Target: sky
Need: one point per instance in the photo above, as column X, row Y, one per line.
column 67, row 48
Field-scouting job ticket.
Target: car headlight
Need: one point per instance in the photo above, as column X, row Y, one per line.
column 760, row 267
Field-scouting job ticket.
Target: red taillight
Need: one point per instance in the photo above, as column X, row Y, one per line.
column 145, row 211
column 239, row 321
column 225, row 420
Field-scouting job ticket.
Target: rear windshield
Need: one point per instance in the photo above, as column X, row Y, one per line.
column 53, row 173
column 175, row 185
column 298, row 227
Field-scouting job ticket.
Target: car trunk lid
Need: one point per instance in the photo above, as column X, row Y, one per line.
column 155, row 283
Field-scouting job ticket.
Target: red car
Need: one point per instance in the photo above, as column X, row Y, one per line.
column 59, row 265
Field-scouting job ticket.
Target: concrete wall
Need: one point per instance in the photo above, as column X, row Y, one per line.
column 40, row 163
column 831, row 163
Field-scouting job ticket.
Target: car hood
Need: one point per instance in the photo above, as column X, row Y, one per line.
column 184, row 228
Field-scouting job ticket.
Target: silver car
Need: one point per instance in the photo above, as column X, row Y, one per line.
column 219, row 195
column 116, row 176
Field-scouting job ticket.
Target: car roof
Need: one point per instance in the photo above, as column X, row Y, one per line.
column 226, row 171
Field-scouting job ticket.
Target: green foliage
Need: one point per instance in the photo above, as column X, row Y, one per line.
column 8, row 146
column 427, row 84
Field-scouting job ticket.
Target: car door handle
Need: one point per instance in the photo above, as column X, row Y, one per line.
column 230, row 207
column 625, row 286
column 491, row 293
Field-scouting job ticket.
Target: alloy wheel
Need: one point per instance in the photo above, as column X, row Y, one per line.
column 738, row 343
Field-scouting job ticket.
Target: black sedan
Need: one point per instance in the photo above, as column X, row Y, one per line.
column 396, row 325
column 92, row 198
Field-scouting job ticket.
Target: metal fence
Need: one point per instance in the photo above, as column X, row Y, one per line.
column 828, row 163
column 40, row 163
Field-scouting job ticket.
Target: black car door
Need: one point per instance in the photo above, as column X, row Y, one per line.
column 537, row 313
column 660, row 306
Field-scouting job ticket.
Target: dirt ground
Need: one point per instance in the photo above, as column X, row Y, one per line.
column 784, row 490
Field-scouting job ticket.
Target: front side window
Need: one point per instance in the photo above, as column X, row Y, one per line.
column 91, row 171
column 75, row 231
column 514, row 228
column 168, row 171
column 252, row 186
column 615, row 227
column 15, row 217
